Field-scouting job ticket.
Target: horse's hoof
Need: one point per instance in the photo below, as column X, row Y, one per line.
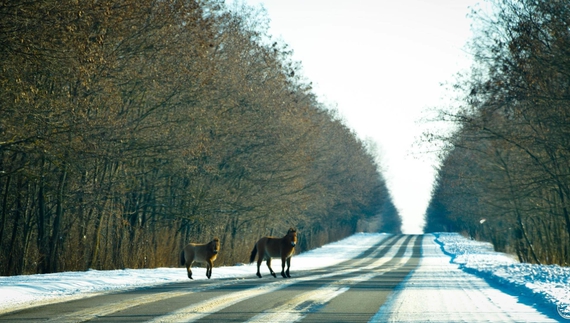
column 273, row 274
column 258, row 275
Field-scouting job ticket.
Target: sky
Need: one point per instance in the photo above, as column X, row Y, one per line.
column 382, row 63
column 446, row 258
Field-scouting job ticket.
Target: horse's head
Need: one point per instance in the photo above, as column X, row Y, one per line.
column 214, row 245
column 292, row 236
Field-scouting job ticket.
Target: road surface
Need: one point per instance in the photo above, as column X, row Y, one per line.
column 404, row 278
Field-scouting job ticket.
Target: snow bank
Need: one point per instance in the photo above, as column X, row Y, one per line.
column 549, row 285
column 31, row 290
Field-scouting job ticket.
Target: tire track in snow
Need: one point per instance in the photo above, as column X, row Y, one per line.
column 99, row 311
column 197, row 311
column 297, row 308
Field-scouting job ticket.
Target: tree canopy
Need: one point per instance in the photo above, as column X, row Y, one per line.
column 507, row 177
column 130, row 128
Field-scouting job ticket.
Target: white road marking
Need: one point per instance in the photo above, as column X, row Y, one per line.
column 202, row 309
column 298, row 307
column 93, row 312
column 103, row 310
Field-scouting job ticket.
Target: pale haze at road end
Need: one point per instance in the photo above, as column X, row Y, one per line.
column 382, row 63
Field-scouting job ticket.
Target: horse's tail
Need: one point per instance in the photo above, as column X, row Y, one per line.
column 182, row 260
column 253, row 253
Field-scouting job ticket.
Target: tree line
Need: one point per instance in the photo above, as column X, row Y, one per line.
column 130, row 128
column 506, row 175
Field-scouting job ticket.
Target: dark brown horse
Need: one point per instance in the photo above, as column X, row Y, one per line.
column 275, row 247
column 202, row 253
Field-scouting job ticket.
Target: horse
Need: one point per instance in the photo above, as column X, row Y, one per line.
column 202, row 253
column 275, row 247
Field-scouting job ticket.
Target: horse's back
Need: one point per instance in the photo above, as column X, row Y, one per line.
column 273, row 246
column 199, row 252
column 189, row 253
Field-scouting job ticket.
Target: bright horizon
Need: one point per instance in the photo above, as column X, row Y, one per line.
column 382, row 64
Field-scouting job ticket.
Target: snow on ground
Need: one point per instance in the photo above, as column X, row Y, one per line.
column 29, row 290
column 544, row 285
column 547, row 285
column 441, row 291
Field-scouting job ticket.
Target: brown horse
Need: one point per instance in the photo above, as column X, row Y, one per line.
column 275, row 247
column 202, row 253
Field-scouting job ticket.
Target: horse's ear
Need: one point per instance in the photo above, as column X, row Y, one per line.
column 292, row 229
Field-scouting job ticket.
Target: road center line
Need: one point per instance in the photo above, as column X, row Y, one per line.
column 202, row 309
column 297, row 308
column 103, row 310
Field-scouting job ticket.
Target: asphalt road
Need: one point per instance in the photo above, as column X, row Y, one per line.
column 351, row 291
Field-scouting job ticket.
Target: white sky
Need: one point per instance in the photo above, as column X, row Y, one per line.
column 382, row 63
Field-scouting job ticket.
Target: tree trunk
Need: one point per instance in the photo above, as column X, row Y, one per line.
column 56, row 235
column 42, row 238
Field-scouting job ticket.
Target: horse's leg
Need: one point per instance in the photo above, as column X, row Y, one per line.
column 260, row 247
column 209, row 266
column 269, row 266
column 283, row 260
column 259, row 261
column 188, row 266
column 288, row 266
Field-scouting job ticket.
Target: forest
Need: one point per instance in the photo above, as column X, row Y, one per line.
column 130, row 128
column 505, row 176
